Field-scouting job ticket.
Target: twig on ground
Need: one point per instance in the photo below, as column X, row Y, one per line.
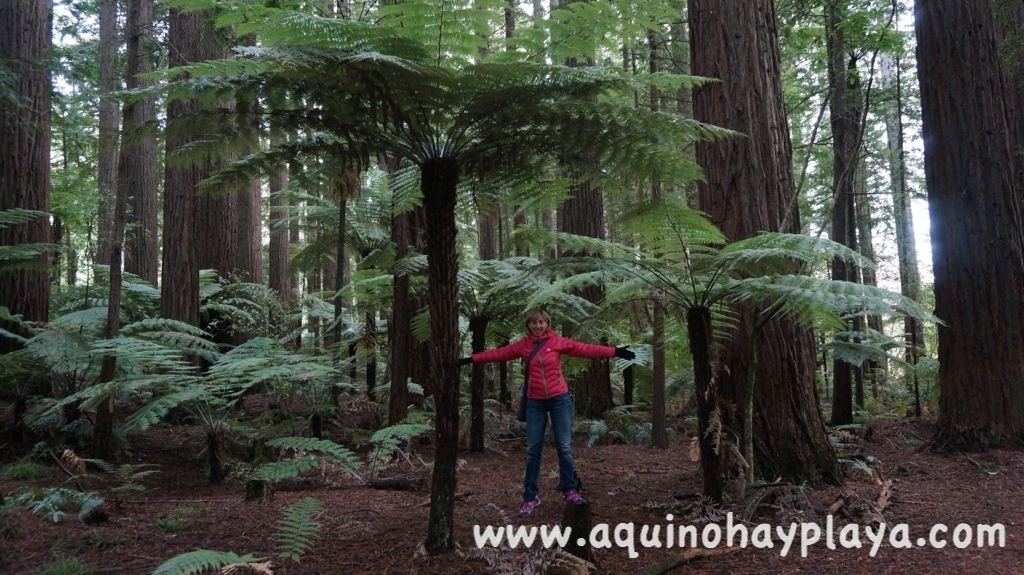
column 60, row 464
column 686, row 557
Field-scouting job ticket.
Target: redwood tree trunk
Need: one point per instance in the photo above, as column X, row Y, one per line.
column 906, row 244
column 106, row 178
column 189, row 41
column 439, row 179
column 977, row 243
column 749, row 189
column 25, row 42
column 137, row 163
column 845, row 140
column 583, row 214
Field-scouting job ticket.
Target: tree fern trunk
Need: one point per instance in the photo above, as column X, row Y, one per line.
column 439, row 179
column 699, row 328
column 214, row 439
column 659, row 435
column 478, row 333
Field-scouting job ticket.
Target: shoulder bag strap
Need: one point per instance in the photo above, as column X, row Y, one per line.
column 526, row 366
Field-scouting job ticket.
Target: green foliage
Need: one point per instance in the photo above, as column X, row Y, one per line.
column 620, row 425
column 303, row 454
column 123, row 479
column 200, row 561
column 389, row 442
column 72, row 566
column 100, row 538
column 56, row 502
column 297, row 530
column 180, row 519
column 23, row 256
column 24, row 471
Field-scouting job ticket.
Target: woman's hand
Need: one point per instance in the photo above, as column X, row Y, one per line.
column 464, row 361
column 624, row 352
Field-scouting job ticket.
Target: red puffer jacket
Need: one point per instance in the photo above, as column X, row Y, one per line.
column 546, row 379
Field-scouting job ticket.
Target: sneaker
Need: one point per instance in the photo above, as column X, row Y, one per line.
column 529, row 506
column 575, row 498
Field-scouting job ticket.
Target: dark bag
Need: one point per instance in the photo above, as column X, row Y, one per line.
column 521, row 406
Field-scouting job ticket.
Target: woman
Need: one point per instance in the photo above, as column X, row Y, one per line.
column 546, row 393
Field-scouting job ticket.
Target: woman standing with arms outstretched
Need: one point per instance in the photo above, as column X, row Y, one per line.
column 546, row 393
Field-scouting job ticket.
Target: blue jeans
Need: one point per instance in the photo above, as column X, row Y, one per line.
column 537, row 410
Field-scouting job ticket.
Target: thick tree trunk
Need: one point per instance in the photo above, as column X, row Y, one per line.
column 106, row 177
column 249, row 254
column 748, row 190
column 439, row 180
column 583, row 214
column 977, row 243
column 189, row 41
column 137, row 163
column 1009, row 16
column 25, row 42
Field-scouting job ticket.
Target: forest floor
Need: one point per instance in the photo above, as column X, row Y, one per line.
column 366, row 530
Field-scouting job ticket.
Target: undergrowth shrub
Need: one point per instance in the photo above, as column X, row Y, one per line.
column 72, row 566
column 24, row 471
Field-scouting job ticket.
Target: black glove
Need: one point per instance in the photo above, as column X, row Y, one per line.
column 465, row 361
column 624, row 352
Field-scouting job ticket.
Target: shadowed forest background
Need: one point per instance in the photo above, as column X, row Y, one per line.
column 243, row 243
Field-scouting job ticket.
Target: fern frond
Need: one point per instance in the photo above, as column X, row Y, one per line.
column 155, row 410
column 390, row 439
column 200, row 561
column 298, row 529
column 309, row 453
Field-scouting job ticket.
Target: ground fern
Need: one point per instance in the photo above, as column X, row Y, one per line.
column 200, row 561
column 298, row 529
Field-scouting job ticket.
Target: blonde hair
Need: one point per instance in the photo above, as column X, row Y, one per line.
column 534, row 314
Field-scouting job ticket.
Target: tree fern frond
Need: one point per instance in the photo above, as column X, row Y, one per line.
column 200, row 561
column 61, row 353
column 17, row 216
column 323, row 447
column 92, row 320
column 299, row 527
column 390, row 439
column 154, row 411
column 778, row 252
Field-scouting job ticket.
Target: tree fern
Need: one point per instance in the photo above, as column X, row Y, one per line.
column 157, row 409
column 306, row 453
column 200, row 561
column 297, row 530
column 389, row 441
